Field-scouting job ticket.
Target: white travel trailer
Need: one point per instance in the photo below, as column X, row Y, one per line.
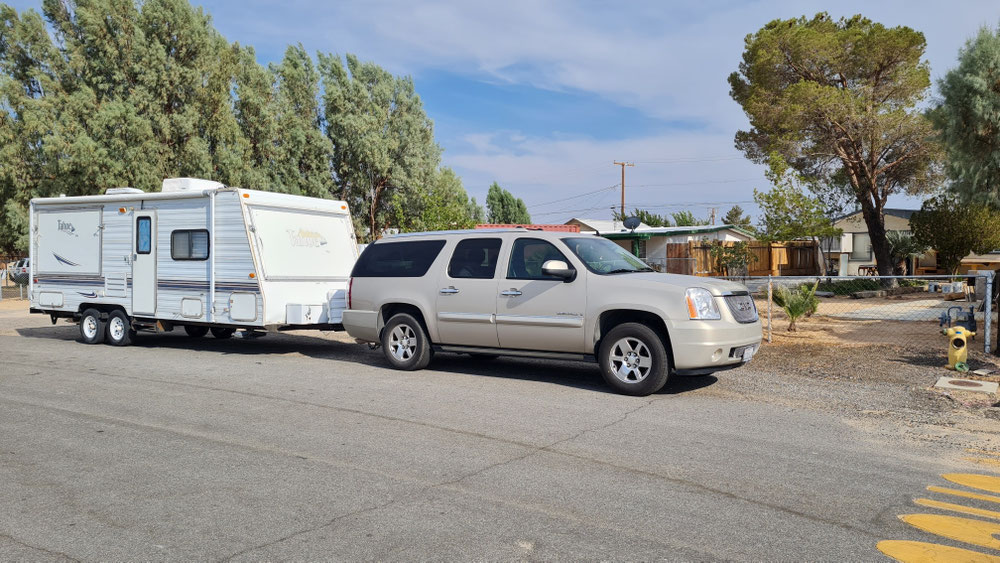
column 198, row 255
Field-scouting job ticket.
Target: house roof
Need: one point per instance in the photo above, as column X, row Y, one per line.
column 901, row 213
column 602, row 225
column 648, row 232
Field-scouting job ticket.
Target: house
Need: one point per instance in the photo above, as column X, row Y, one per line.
column 650, row 243
column 852, row 255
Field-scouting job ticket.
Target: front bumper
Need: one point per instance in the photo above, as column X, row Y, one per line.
column 707, row 346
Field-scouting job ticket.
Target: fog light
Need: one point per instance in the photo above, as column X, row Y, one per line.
column 717, row 355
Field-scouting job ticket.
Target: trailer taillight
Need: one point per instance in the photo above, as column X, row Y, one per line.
column 350, row 286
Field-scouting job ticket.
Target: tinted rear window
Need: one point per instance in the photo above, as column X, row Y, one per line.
column 397, row 259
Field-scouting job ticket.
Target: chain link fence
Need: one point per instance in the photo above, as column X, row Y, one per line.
column 902, row 310
column 13, row 282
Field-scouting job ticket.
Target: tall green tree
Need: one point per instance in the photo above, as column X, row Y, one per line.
column 954, row 230
column 383, row 142
column 687, row 219
column 303, row 162
column 969, row 119
column 647, row 217
column 443, row 205
column 789, row 213
column 736, row 217
column 503, row 208
column 836, row 100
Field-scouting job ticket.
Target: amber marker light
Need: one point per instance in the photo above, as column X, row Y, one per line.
column 246, row 195
column 121, row 210
column 252, row 275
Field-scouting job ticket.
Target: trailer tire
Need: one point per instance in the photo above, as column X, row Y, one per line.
column 91, row 327
column 223, row 333
column 119, row 329
column 195, row 331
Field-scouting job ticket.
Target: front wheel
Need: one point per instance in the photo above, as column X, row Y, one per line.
column 91, row 327
column 405, row 344
column 633, row 360
column 120, row 331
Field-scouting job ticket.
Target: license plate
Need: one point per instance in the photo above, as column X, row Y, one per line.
column 747, row 354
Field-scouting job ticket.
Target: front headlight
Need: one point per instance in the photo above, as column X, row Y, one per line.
column 701, row 304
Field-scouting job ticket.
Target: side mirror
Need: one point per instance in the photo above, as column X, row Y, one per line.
column 559, row 269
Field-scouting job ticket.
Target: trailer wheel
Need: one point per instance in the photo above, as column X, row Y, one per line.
column 91, row 327
column 222, row 333
column 195, row 330
column 120, row 332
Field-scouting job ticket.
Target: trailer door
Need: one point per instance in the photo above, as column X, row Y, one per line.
column 144, row 264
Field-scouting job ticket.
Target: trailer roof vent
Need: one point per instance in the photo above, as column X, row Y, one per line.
column 122, row 191
column 189, row 184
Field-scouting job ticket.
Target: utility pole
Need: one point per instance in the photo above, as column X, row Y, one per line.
column 713, row 214
column 623, row 165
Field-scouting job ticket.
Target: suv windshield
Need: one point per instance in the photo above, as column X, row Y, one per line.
column 602, row 256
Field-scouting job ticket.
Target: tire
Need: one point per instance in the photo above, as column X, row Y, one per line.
column 195, row 331
column 405, row 344
column 633, row 360
column 91, row 327
column 119, row 329
column 223, row 333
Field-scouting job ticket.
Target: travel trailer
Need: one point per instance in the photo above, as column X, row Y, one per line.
column 198, row 255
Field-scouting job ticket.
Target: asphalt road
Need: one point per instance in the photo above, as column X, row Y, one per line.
column 308, row 448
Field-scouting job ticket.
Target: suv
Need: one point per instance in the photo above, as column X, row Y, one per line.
column 20, row 271
column 520, row 292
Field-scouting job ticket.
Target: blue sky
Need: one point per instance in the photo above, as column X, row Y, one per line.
column 543, row 96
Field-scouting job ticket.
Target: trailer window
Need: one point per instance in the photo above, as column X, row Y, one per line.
column 143, row 235
column 397, row 259
column 189, row 244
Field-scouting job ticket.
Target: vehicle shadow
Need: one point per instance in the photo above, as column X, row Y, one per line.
column 580, row 375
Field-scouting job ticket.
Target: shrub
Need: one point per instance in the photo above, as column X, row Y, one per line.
column 796, row 303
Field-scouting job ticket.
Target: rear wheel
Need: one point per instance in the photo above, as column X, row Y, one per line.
column 195, row 330
column 91, row 327
column 119, row 330
column 405, row 344
column 633, row 359
column 222, row 333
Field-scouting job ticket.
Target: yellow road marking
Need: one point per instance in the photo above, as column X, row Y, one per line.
column 983, row 460
column 982, row 452
column 976, row 532
column 983, row 482
column 920, row 552
column 965, row 494
column 957, row 508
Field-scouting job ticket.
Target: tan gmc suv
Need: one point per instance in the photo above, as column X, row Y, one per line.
column 522, row 292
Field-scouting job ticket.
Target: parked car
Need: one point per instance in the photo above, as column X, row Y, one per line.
column 541, row 294
column 20, row 271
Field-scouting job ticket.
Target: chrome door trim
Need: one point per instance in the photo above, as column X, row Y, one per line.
column 559, row 321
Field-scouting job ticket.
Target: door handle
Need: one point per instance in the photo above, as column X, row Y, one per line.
column 448, row 290
column 510, row 293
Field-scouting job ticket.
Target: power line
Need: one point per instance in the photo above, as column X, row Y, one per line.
column 683, row 160
column 604, row 189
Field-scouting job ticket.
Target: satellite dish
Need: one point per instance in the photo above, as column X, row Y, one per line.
column 632, row 222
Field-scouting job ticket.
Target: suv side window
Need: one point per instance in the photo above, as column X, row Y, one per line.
column 475, row 258
column 409, row 259
column 527, row 257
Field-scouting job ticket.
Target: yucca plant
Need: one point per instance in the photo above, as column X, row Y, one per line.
column 797, row 303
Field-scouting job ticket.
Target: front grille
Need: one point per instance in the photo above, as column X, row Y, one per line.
column 742, row 307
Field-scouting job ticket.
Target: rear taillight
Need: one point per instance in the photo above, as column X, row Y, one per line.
column 350, row 286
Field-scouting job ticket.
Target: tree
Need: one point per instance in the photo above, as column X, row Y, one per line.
column 903, row 245
column 955, row 230
column 968, row 119
column 687, row 219
column 503, row 208
column 797, row 303
column 736, row 217
column 647, row 217
column 836, row 102
column 732, row 259
column 445, row 205
column 383, row 142
column 788, row 213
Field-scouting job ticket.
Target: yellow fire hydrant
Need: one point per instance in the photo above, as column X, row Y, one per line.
column 958, row 351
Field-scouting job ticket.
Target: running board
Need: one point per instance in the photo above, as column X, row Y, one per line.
column 518, row 353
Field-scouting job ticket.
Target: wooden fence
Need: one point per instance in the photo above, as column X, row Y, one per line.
column 795, row 258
